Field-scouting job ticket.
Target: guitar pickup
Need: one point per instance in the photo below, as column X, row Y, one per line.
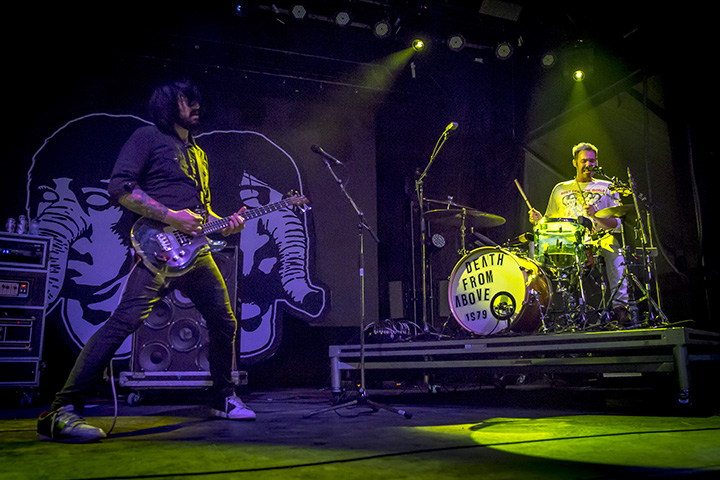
column 182, row 238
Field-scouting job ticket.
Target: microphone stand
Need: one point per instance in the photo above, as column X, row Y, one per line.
column 363, row 399
column 423, row 225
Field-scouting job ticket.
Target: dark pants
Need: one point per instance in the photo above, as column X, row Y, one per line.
column 202, row 284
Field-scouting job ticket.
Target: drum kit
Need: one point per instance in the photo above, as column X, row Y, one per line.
column 552, row 280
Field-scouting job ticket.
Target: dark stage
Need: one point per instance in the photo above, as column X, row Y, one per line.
column 419, row 166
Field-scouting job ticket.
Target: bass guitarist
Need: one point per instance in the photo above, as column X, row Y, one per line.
column 162, row 175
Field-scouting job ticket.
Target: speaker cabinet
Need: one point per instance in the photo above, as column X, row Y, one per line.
column 174, row 337
column 24, row 261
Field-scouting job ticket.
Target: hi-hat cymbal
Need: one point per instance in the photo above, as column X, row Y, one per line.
column 454, row 217
column 616, row 212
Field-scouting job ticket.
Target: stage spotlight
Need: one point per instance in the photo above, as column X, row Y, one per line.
column 579, row 62
column 548, row 60
column 456, row 42
column 504, row 51
column 299, row 12
column 382, row 29
column 342, row 18
column 418, row 45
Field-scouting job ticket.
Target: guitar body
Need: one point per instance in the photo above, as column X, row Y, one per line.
column 170, row 252
column 166, row 250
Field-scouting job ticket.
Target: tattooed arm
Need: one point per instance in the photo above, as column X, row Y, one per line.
column 142, row 204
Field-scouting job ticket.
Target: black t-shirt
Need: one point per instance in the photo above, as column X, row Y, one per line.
column 169, row 171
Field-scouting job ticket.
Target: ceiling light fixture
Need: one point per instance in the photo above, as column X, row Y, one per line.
column 382, row 29
column 299, row 12
column 418, row 45
column 504, row 51
column 548, row 60
column 342, row 18
column 456, row 42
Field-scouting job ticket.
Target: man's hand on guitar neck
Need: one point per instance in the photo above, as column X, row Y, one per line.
column 237, row 223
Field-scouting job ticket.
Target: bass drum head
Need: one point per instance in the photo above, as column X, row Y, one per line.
column 491, row 290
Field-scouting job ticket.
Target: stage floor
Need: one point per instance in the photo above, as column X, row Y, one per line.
column 528, row 432
column 582, row 411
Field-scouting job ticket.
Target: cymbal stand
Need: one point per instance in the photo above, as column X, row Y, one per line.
column 653, row 307
column 579, row 247
column 423, row 227
column 363, row 399
column 463, row 229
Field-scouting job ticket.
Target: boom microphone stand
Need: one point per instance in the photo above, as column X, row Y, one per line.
column 363, row 399
column 423, row 224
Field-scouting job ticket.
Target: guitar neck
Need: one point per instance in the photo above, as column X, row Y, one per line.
column 217, row 225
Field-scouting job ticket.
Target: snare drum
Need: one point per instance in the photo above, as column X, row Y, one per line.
column 491, row 290
column 559, row 242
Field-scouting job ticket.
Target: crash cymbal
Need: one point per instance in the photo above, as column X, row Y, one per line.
column 616, row 212
column 453, row 217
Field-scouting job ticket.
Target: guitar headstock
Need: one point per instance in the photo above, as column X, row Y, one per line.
column 299, row 201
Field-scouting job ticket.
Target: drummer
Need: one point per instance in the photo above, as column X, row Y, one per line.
column 584, row 196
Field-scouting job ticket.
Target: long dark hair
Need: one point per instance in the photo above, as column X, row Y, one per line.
column 163, row 107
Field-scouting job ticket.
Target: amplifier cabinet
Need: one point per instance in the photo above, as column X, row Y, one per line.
column 170, row 349
column 23, row 292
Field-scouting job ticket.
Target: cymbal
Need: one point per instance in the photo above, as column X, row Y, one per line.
column 616, row 212
column 453, row 217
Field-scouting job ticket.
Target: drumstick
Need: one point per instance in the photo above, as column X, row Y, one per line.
column 523, row 194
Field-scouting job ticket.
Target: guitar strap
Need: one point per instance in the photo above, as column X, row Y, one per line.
column 198, row 164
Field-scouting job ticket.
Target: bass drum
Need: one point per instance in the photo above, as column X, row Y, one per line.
column 491, row 290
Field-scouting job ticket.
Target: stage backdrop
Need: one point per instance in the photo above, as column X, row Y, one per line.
column 291, row 262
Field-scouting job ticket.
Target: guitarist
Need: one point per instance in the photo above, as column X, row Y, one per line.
column 160, row 174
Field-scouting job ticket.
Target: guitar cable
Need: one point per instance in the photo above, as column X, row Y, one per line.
column 115, row 398
column 110, row 366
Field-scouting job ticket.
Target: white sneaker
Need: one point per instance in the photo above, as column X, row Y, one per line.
column 234, row 409
column 65, row 425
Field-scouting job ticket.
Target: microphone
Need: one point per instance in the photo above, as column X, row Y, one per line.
column 323, row 153
column 451, row 127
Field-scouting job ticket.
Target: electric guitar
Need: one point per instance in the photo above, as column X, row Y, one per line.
column 166, row 250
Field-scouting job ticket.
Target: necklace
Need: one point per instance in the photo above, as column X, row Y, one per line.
column 581, row 191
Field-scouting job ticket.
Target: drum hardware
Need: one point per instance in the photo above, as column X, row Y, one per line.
column 632, row 212
column 483, row 240
column 463, row 218
column 569, row 308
